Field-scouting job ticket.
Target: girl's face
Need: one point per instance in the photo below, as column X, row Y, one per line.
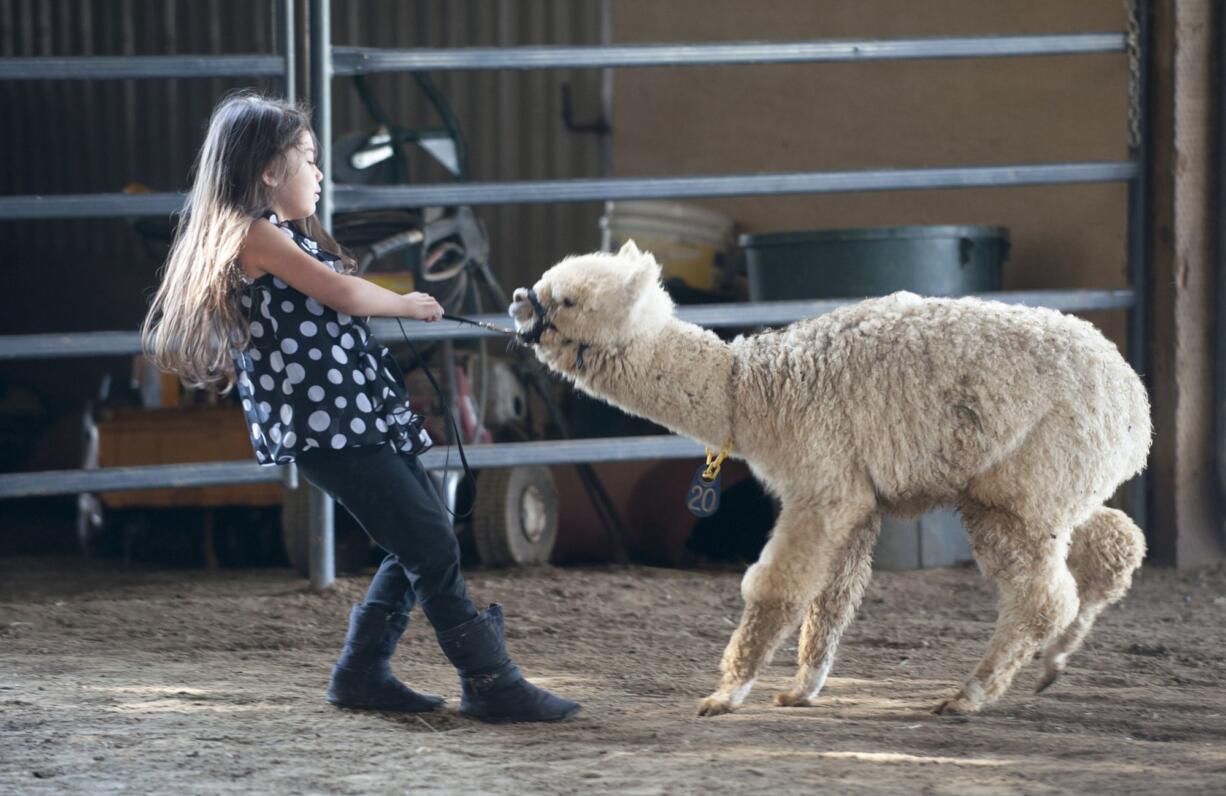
column 295, row 195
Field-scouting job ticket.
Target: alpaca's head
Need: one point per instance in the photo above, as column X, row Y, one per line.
column 596, row 299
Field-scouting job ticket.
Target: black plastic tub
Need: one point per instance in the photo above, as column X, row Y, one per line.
column 852, row 263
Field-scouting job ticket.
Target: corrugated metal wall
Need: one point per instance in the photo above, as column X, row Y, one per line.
column 84, row 136
column 93, row 136
column 97, row 136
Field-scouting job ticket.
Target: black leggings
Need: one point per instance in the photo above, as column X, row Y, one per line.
column 395, row 502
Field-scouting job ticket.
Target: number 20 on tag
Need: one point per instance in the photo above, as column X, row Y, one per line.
column 703, row 497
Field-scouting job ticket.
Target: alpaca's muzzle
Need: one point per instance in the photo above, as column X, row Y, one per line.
column 540, row 322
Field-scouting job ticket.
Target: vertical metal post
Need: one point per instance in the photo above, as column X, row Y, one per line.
column 322, row 516
column 321, row 100
column 322, row 513
column 606, row 90
column 1138, row 240
column 287, row 45
column 1219, row 376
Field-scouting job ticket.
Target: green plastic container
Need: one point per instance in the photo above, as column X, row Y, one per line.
column 854, row 263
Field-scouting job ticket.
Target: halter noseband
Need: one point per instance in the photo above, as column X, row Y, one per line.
column 533, row 335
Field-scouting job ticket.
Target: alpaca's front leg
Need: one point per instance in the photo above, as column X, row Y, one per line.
column 776, row 590
column 828, row 615
column 763, row 626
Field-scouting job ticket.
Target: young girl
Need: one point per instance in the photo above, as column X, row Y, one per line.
column 256, row 294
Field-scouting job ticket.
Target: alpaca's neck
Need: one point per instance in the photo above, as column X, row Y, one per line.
column 678, row 377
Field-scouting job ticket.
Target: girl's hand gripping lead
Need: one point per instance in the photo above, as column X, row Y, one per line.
column 422, row 307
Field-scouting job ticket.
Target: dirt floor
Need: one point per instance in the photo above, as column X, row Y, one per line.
column 141, row 681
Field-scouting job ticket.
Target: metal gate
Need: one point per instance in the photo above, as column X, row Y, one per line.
column 329, row 61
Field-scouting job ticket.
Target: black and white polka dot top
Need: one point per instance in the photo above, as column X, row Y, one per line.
column 313, row 377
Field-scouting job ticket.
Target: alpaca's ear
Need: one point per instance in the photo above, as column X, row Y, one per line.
column 628, row 249
column 651, row 267
column 643, row 273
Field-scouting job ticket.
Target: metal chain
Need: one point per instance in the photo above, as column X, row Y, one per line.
column 1133, row 45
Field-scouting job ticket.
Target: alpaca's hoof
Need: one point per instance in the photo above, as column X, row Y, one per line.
column 1050, row 676
column 790, row 699
column 1053, row 666
column 714, row 706
column 958, row 706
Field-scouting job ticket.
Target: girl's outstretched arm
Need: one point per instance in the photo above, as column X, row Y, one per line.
column 268, row 250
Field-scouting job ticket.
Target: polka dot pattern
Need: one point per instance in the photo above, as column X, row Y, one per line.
column 315, row 378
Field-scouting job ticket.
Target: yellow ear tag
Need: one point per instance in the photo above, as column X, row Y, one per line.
column 703, row 497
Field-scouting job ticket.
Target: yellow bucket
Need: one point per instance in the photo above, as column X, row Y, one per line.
column 689, row 242
column 399, row 282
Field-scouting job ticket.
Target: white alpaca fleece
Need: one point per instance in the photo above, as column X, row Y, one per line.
column 1025, row 419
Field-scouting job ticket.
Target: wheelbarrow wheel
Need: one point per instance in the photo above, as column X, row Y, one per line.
column 515, row 516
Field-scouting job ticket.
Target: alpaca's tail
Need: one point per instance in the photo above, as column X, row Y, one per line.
column 1106, row 549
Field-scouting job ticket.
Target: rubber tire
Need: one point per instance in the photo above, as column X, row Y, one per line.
column 498, row 523
column 353, row 549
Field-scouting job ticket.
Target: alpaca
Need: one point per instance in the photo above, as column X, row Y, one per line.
column 1025, row 419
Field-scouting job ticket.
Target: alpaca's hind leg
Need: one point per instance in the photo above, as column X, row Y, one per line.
column 828, row 615
column 1106, row 549
column 776, row 589
column 1038, row 599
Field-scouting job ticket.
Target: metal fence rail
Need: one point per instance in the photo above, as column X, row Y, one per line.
column 504, row 454
column 90, row 205
column 366, row 197
column 365, row 60
column 762, row 313
column 355, row 197
column 115, row 67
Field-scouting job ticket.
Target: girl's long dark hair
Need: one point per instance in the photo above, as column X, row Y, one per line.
column 195, row 318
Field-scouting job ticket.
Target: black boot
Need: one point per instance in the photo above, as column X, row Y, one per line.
column 493, row 689
column 362, row 677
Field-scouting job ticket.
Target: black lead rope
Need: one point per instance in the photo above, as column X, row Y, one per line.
column 481, row 324
column 530, row 337
column 459, row 441
column 446, row 410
